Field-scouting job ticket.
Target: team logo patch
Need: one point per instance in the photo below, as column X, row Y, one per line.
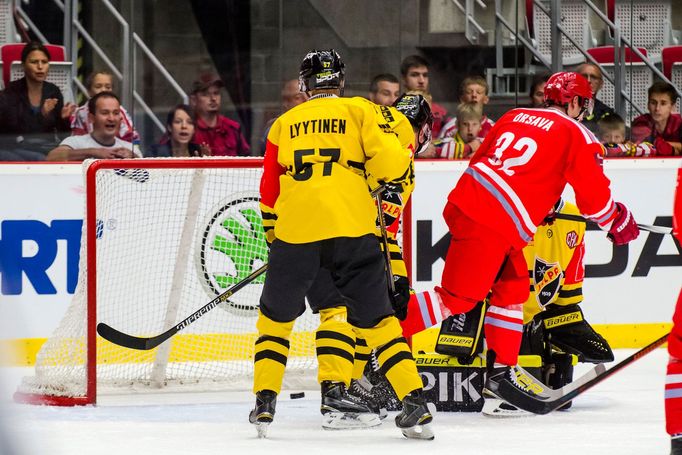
column 232, row 246
column 572, row 239
column 547, row 280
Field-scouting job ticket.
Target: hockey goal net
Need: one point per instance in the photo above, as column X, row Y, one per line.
column 161, row 238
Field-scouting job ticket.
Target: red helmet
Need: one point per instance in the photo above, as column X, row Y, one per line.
column 562, row 87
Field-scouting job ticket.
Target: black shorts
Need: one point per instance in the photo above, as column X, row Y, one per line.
column 354, row 264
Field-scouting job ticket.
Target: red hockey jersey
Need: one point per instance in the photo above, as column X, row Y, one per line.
column 522, row 167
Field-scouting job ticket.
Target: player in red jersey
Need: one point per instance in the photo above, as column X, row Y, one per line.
column 512, row 181
column 673, row 380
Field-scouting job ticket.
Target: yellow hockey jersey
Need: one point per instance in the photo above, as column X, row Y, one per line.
column 555, row 263
column 317, row 157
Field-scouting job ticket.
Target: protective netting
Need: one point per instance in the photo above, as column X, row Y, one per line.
column 169, row 241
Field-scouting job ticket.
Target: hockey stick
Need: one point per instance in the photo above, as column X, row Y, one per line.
column 384, row 239
column 548, row 400
column 141, row 343
column 644, row 227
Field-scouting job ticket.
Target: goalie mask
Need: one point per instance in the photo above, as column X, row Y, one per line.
column 562, row 87
column 321, row 70
column 418, row 112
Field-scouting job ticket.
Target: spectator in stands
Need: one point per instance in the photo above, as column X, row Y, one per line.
column 415, row 73
column 472, row 90
column 612, row 136
column 660, row 126
column 32, row 110
column 176, row 142
column 217, row 134
column 537, row 90
column 291, row 96
column 105, row 116
column 466, row 139
column 597, row 110
column 384, row 89
column 101, row 81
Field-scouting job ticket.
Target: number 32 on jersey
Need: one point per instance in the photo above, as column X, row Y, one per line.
column 502, row 159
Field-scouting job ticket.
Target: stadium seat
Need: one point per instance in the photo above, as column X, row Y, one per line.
column 12, row 53
column 671, row 57
column 638, row 76
column 645, row 23
column 575, row 19
column 6, row 22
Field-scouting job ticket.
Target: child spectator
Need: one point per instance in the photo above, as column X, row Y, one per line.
column 466, row 139
column 473, row 89
column 660, row 126
column 612, row 135
column 101, row 81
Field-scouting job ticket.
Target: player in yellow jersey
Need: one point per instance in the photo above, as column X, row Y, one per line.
column 341, row 355
column 318, row 214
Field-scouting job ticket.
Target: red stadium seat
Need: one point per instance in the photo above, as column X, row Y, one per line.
column 670, row 55
column 12, row 52
column 605, row 54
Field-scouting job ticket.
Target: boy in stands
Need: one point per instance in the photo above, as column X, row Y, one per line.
column 473, row 89
column 612, row 136
column 466, row 139
column 661, row 127
column 512, row 182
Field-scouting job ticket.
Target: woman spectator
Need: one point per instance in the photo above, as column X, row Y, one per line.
column 32, row 110
column 101, row 81
column 179, row 132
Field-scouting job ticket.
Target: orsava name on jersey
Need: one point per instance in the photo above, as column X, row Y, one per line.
column 534, row 120
column 322, row 125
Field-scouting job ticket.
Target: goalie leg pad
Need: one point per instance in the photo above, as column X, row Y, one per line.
column 461, row 335
column 568, row 330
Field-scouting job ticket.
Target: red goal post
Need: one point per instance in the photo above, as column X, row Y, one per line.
column 162, row 238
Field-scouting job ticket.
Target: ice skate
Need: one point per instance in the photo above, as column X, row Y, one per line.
column 415, row 417
column 363, row 390
column 496, row 407
column 261, row 415
column 342, row 411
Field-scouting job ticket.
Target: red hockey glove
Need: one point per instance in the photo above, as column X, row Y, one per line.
column 624, row 228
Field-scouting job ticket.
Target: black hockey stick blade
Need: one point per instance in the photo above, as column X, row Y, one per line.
column 547, row 400
column 146, row 343
column 643, row 227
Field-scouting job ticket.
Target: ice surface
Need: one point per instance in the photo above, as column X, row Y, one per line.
column 623, row 415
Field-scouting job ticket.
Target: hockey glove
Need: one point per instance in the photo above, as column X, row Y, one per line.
column 391, row 187
column 401, row 296
column 624, row 228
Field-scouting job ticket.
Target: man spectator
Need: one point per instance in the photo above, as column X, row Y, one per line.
column 384, row 89
column 291, row 96
column 105, row 115
column 216, row 134
column 597, row 110
column 415, row 73
column 660, row 126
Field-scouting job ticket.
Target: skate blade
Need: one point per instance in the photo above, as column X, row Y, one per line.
column 493, row 407
column 262, row 429
column 419, row 432
column 349, row 421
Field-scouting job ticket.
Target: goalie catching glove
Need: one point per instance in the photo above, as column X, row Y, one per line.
column 567, row 330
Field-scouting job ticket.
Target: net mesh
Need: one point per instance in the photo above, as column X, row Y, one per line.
column 168, row 242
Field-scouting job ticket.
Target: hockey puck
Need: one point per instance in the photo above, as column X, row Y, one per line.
column 296, row 395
